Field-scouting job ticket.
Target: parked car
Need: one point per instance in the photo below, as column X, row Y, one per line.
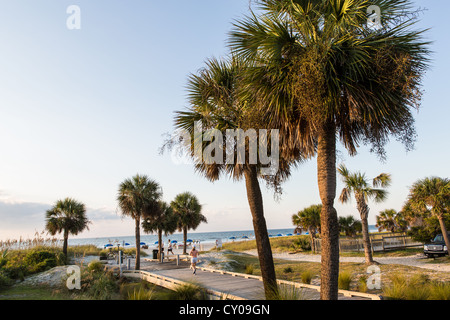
column 437, row 247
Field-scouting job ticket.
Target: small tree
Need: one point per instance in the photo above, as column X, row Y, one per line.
column 357, row 184
column 392, row 221
column 188, row 210
column 349, row 225
column 67, row 216
column 138, row 197
column 164, row 221
column 432, row 195
column 309, row 219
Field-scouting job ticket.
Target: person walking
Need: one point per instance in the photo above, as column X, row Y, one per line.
column 194, row 258
column 169, row 248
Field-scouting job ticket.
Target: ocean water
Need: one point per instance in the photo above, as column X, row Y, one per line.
column 202, row 237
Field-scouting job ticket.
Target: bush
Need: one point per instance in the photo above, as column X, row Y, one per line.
column 40, row 260
column 249, row 268
column 307, row 277
column 303, row 243
column 418, row 287
column 188, row 291
column 4, row 280
column 344, row 280
column 95, row 266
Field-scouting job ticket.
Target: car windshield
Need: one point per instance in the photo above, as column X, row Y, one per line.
column 439, row 238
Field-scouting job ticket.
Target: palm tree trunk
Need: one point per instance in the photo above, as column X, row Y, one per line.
column 159, row 244
column 326, row 176
column 184, row 239
column 313, row 245
column 138, row 243
column 444, row 232
column 262, row 237
column 65, row 243
column 364, row 213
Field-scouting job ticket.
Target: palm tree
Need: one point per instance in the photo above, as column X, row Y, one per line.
column 215, row 100
column 391, row 220
column 324, row 73
column 165, row 221
column 138, row 198
column 433, row 195
column 67, row 216
column 357, row 184
column 349, row 226
column 309, row 219
column 187, row 210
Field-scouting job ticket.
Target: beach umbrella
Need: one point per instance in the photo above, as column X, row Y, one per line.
column 142, row 243
column 244, row 237
column 156, row 242
column 127, row 244
column 188, row 240
column 270, row 236
column 279, row 235
column 108, row 245
column 289, row 234
column 174, row 241
column 232, row 238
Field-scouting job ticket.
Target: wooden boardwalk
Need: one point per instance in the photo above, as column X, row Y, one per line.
column 234, row 286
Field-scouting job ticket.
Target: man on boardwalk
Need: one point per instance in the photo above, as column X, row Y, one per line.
column 194, row 258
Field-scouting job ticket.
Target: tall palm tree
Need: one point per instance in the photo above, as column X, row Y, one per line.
column 164, row 221
column 432, row 194
column 309, row 219
column 391, row 220
column 358, row 184
column 67, row 216
column 187, row 210
column 138, row 198
column 215, row 100
column 349, row 225
column 325, row 73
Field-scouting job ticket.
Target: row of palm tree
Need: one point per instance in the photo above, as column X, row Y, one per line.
column 316, row 71
column 140, row 198
column 429, row 196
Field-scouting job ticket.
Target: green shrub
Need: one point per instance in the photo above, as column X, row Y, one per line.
column 307, row 277
column 40, row 260
column 249, row 268
column 344, row 280
column 362, row 284
column 189, row 291
column 303, row 243
column 95, row 266
column 103, row 287
column 288, row 270
column 4, row 280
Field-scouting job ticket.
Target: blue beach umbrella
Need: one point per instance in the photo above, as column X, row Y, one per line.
column 156, row 242
column 244, row 237
column 174, row 241
column 232, row 238
column 142, row 243
column 108, row 245
column 289, row 234
column 126, row 244
column 188, row 240
column 279, row 235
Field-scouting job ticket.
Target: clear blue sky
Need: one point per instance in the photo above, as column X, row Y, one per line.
column 81, row 110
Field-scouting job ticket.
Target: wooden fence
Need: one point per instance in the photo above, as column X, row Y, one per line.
column 378, row 243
